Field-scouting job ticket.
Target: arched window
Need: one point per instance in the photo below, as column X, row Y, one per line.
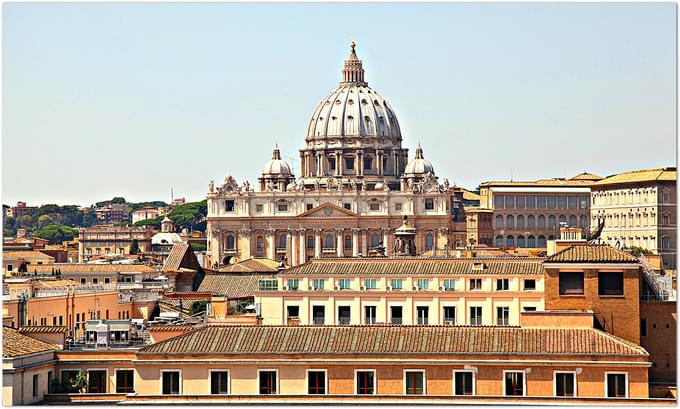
column 521, row 242
column 551, row 237
column 572, row 221
column 510, row 241
column 499, row 221
column 531, row 222
column 552, row 222
column 510, row 221
column 282, row 241
column 329, row 241
column 563, row 219
column 499, row 241
column 348, row 242
column 541, row 241
column 583, row 221
column 531, row 241
column 541, row 221
column 375, row 240
column 520, row 222
column 310, row 243
column 260, row 244
column 429, row 241
column 231, row 242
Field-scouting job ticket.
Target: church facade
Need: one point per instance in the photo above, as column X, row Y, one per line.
column 355, row 185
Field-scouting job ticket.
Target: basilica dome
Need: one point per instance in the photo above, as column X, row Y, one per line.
column 277, row 166
column 418, row 165
column 353, row 109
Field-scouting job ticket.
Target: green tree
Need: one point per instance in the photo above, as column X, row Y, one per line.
column 44, row 220
column 56, row 233
column 25, row 222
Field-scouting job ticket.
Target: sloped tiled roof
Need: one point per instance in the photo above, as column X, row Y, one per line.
column 542, row 182
column 55, row 284
column 252, row 265
column 384, row 339
column 42, row 329
column 586, row 176
column 174, row 259
column 17, row 255
column 418, row 266
column 90, row 268
column 642, row 175
column 14, row 344
column 232, row 285
column 602, row 253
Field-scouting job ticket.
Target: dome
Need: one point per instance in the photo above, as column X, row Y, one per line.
column 418, row 165
column 276, row 166
column 353, row 109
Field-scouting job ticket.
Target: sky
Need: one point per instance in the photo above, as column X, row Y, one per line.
column 138, row 100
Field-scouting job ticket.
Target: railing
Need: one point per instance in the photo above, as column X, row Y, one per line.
column 661, row 285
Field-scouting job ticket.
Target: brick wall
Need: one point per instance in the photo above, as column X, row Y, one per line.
column 660, row 318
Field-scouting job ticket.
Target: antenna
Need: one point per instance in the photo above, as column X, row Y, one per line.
column 511, row 173
column 172, row 195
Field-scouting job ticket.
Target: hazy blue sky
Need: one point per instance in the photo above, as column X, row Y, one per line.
column 133, row 99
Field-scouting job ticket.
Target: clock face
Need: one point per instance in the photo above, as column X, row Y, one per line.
column 328, row 211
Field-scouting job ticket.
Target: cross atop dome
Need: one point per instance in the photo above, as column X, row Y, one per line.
column 353, row 72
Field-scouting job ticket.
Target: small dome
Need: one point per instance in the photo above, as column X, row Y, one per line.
column 418, row 165
column 276, row 166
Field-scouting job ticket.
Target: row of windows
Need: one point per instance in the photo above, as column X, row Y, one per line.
column 395, row 284
column 344, row 315
column 107, row 250
column 230, row 206
column 95, row 280
column 328, row 242
column 530, row 242
column 414, row 382
column 633, row 219
column 530, row 202
column 531, row 221
column 631, row 197
column 608, row 283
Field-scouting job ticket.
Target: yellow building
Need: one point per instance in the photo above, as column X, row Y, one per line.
column 106, row 241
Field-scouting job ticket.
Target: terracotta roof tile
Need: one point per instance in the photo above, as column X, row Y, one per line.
column 252, row 265
column 17, row 255
column 419, row 266
column 642, row 175
column 174, row 259
column 232, row 285
column 90, row 268
column 591, row 254
column 42, row 329
column 216, row 339
column 15, row 344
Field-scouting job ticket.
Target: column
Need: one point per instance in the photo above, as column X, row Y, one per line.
column 317, row 243
column 272, row 244
column 360, row 163
column 293, row 250
column 364, row 242
column 339, row 242
column 379, row 164
column 355, row 242
column 386, row 241
column 339, row 163
column 302, row 246
column 244, row 244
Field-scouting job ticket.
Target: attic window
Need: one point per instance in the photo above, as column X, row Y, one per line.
column 478, row 266
column 333, row 118
column 367, row 119
column 375, row 101
column 363, row 101
column 350, row 117
column 350, row 102
column 337, row 102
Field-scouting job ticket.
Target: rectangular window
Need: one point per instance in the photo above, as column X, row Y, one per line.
column 319, row 314
column 344, row 315
column 475, row 284
column 282, row 207
column 463, row 383
column 414, row 382
column 331, row 163
column 293, row 284
column 514, row 383
column 502, row 284
column 529, row 308
column 371, row 284
column 423, row 313
column 643, row 327
column 429, row 204
column 449, row 315
column 503, row 315
column 449, row 284
column 259, row 208
column 529, row 285
column 617, row 385
column 347, row 206
column 344, row 283
column 309, row 206
column 365, row 381
column 374, row 206
column 125, row 382
column 368, row 162
column 95, row 280
column 293, row 311
column 318, row 283
column 610, row 283
column 565, row 384
column 310, row 242
column 423, row 283
column 475, row 315
column 36, row 384
column 229, row 205
column 396, row 313
column 267, row 382
column 349, row 164
column 219, row 382
column 107, row 280
column 571, row 283
column 96, row 381
column 370, row 314
column 269, row 285
column 397, row 206
column 50, row 382
column 316, row 382
column 397, row 284
column 83, row 280
column 170, row 381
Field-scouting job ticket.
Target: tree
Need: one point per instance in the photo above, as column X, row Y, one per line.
column 134, row 247
column 44, row 220
column 56, row 233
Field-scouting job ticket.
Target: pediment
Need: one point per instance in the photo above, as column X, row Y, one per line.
column 328, row 210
